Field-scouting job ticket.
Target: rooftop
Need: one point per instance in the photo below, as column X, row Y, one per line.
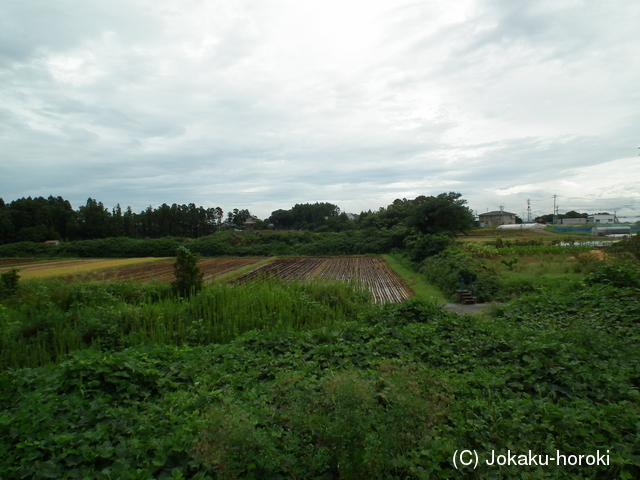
column 496, row 212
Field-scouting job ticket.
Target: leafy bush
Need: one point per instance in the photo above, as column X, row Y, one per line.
column 481, row 250
column 188, row 276
column 510, row 262
column 447, row 268
column 9, row 283
column 348, row 424
column 629, row 247
column 617, row 274
column 420, row 247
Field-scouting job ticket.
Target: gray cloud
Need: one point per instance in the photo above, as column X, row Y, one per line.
column 262, row 105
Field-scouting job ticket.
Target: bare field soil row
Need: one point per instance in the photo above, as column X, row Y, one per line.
column 50, row 265
column 73, row 267
column 9, row 262
column 374, row 272
column 163, row 270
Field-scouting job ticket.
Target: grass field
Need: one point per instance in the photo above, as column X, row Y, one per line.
column 414, row 280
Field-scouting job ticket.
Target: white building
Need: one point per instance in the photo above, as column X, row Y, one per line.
column 602, row 219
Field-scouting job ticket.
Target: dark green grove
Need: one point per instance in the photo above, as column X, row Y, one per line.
column 41, row 219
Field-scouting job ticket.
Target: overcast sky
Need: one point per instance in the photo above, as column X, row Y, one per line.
column 262, row 104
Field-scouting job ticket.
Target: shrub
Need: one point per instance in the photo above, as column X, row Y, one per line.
column 348, row 424
column 424, row 246
column 447, row 268
column 188, row 276
column 510, row 262
column 9, row 283
column 480, row 250
column 629, row 247
column 619, row 275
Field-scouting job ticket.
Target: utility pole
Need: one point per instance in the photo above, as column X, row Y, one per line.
column 555, row 211
column 528, row 210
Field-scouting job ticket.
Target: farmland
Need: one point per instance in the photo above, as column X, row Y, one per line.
column 373, row 272
column 162, row 270
column 130, row 269
column 288, row 373
column 71, row 267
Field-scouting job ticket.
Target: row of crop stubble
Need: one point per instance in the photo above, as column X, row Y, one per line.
column 130, row 269
column 373, row 272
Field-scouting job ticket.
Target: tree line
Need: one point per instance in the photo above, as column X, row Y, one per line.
column 41, row 219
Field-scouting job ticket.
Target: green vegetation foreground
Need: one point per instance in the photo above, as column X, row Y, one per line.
column 391, row 393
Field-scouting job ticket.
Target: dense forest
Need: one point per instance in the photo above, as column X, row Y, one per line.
column 41, row 219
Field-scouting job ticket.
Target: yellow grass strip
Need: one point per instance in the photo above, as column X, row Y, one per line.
column 72, row 267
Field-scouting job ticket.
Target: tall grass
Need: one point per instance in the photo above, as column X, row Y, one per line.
column 49, row 319
column 422, row 289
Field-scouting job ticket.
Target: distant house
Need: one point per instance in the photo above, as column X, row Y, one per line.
column 499, row 217
column 250, row 222
column 52, row 242
column 351, row 216
column 602, row 219
column 574, row 221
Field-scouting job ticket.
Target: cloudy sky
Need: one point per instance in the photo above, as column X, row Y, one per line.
column 262, row 104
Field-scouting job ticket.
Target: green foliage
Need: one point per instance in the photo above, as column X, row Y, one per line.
column 188, row 276
column 526, row 283
column 50, row 318
column 316, row 217
column 9, row 283
column 445, row 214
column 629, row 247
column 621, row 275
column 101, row 415
column 509, row 262
column 447, row 268
column 420, row 247
column 390, row 396
column 248, row 243
column 348, row 424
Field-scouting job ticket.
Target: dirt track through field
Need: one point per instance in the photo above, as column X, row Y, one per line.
column 384, row 284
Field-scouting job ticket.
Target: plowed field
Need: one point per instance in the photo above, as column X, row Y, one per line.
column 163, row 270
column 72, row 267
column 383, row 282
column 4, row 262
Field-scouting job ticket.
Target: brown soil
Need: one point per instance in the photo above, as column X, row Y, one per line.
column 18, row 261
column 54, row 264
column 163, row 270
column 384, row 283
